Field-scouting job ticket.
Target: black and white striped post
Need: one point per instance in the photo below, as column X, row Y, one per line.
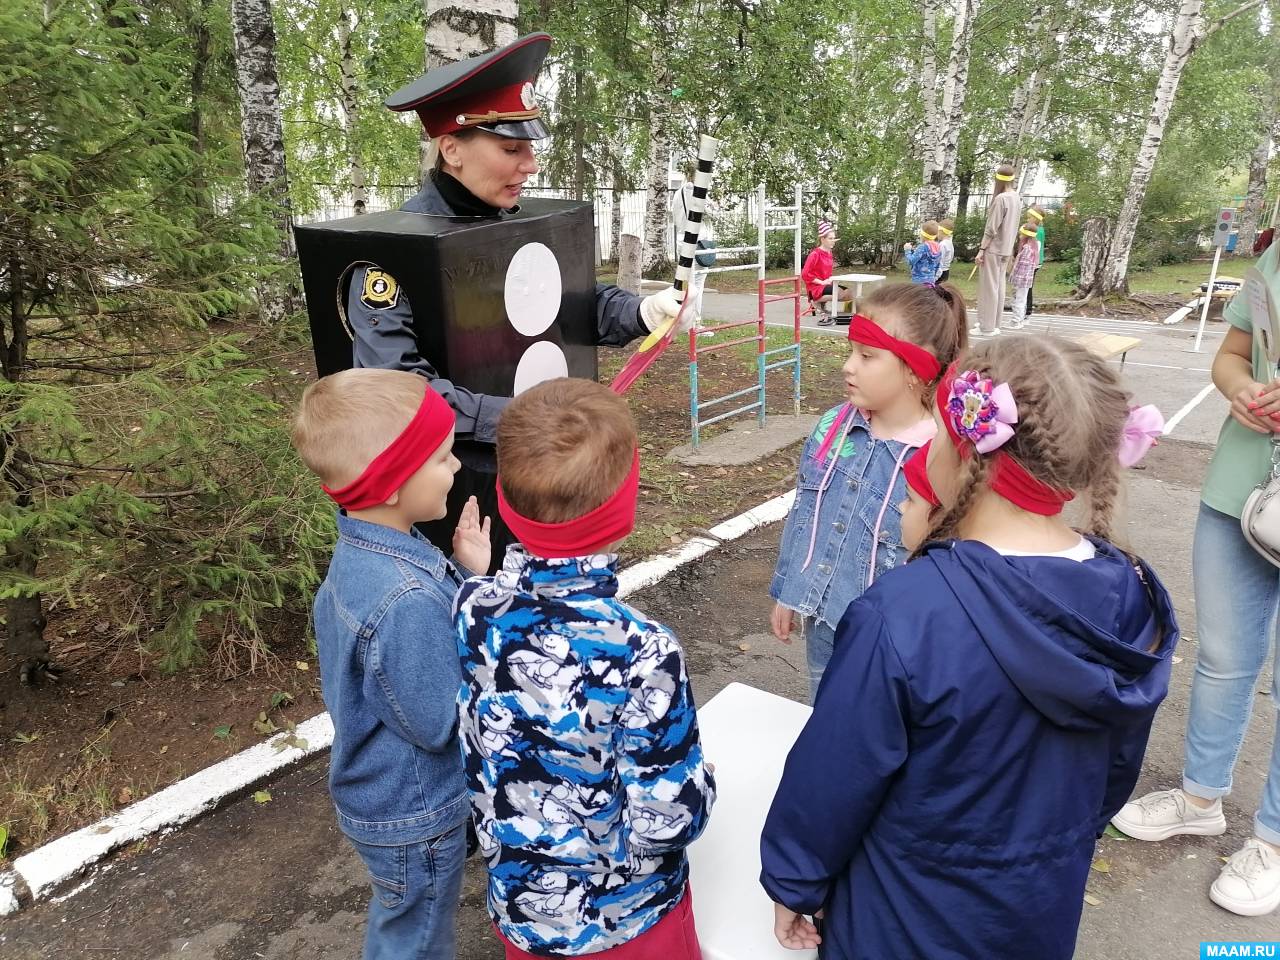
column 708, row 148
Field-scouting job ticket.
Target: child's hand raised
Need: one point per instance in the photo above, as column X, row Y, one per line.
column 782, row 622
column 471, row 539
column 794, row 931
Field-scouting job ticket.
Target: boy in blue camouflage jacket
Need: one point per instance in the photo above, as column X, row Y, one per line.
column 577, row 719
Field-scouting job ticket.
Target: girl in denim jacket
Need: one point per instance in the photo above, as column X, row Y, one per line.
column 844, row 527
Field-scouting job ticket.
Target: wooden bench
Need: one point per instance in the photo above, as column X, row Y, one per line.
column 1108, row 345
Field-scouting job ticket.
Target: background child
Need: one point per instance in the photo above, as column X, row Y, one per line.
column 381, row 441
column 842, row 531
column 924, row 258
column 988, row 704
column 947, row 249
column 1037, row 213
column 1025, row 262
column 818, row 269
column 578, row 721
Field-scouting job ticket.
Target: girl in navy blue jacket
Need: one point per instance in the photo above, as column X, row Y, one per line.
column 988, row 704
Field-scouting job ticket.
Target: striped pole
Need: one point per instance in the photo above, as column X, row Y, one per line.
column 708, row 147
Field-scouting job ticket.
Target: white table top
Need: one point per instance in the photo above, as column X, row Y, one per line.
column 747, row 734
column 858, row 277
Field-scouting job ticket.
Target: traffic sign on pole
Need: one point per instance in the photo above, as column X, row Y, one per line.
column 1222, row 226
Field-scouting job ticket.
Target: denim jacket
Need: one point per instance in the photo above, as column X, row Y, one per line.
column 925, row 259
column 852, row 521
column 390, row 676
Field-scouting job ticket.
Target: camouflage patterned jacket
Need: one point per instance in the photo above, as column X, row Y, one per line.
column 583, row 762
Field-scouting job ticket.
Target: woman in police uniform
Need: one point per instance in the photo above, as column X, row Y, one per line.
column 482, row 116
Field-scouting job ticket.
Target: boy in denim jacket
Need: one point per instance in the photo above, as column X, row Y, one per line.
column 381, row 442
column 577, row 717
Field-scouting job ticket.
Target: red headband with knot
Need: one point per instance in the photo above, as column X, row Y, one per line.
column 581, row 536
column 431, row 426
column 922, row 363
column 1009, row 478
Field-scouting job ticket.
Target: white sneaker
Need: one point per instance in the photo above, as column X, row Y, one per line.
column 1168, row 813
column 1250, row 882
column 977, row 331
column 1016, row 324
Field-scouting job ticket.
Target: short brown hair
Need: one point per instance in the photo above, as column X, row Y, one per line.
column 930, row 226
column 564, row 448
column 346, row 419
column 947, row 224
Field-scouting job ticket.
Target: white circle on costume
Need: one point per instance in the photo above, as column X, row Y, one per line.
column 542, row 361
column 527, row 97
column 532, row 289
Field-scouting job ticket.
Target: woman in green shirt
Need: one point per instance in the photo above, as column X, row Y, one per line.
column 1236, row 592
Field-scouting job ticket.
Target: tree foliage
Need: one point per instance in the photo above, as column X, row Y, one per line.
column 142, row 462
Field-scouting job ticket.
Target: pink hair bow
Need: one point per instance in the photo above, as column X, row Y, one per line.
column 982, row 411
column 1144, row 426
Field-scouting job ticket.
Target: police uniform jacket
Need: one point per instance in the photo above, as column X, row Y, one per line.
column 382, row 321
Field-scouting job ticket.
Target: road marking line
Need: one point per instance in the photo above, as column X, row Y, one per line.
column 1187, row 408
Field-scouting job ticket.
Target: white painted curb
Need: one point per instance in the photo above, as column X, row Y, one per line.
column 44, row 869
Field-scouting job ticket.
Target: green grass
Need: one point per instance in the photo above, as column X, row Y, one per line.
column 1174, row 279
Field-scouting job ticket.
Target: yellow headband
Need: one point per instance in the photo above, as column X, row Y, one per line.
column 946, row 232
column 1006, row 177
column 928, row 236
column 1025, row 232
column 1037, row 214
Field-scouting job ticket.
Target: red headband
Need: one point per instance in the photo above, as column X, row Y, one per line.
column 1009, row 478
column 584, row 535
column 918, row 477
column 922, row 363
column 388, row 471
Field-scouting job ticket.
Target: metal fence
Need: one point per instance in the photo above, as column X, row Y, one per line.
column 732, row 218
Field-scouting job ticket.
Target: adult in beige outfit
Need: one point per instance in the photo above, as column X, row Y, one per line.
column 996, row 248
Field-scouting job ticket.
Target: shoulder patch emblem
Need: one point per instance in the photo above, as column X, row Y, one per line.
column 380, row 290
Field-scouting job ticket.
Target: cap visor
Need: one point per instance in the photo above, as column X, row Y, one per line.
column 519, row 130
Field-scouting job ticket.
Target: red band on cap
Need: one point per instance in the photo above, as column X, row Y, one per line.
column 922, row 363
column 918, row 477
column 388, row 471
column 584, row 535
column 1009, row 478
column 463, row 112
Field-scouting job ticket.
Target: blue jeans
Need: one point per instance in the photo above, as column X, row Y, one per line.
column 416, row 887
column 819, row 642
column 1237, row 592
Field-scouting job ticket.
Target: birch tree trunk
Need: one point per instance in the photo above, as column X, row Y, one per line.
column 457, row 30
column 262, row 134
column 1256, row 193
column 1189, row 30
column 1093, row 253
column 655, row 206
column 929, row 64
column 1031, row 169
column 615, row 212
column 1025, row 103
column 351, row 111
column 938, row 200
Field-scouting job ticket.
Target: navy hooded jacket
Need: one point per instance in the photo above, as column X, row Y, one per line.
column 981, row 720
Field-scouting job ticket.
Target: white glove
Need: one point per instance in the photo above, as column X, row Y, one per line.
column 656, row 309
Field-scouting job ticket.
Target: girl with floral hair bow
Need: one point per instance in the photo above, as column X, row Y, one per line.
column 988, row 704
